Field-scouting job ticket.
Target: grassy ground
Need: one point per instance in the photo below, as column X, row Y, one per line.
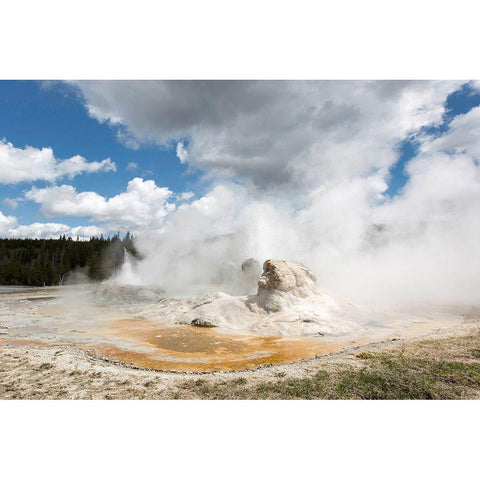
column 433, row 369
column 444, row 368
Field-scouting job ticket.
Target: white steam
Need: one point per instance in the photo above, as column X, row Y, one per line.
column 127, row 274
column 299, row 171
column 422, row 246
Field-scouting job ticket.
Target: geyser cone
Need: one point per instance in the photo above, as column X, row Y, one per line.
column 288, row 302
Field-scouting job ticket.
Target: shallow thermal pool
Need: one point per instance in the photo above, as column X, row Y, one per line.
column 69, row 316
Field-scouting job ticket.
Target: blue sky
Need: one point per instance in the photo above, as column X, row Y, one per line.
column 457, row 103
column 227, row 137
column 53, row 115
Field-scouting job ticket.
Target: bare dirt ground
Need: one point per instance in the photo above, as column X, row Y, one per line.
column 442, row 364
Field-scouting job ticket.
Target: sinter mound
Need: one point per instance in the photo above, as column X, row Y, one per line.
column 288, row 302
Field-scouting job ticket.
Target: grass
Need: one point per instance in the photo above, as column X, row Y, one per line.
column 433, row 369
column 476, row 353
column 365, row 355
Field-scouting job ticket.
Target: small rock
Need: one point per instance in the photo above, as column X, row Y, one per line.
column 198, row 322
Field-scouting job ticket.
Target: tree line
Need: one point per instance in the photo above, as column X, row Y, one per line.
column 51, row 262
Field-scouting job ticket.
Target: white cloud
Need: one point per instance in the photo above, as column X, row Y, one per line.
column 11, row 202
column 142, row 204
column 87, row 231
column 299, row 134
column 132, row 166
column 127, row 140
column 6, row 222
column 462, row 136
column 30, row 164
column 182, row 153
column 441, row 188
column 10, row 228
column 185, row 196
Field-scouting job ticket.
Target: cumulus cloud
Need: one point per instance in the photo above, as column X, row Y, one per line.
column 132, row 166
column 273, row 133
column 142, row 204
column 30, row 164
column 10, row 228
column 11, row 202
column 6, row 222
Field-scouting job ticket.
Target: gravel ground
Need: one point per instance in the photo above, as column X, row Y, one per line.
column 43, row 372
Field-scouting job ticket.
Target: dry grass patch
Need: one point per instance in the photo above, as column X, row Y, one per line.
column 448, row 368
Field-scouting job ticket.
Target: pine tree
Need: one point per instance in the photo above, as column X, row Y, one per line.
column 48, row 262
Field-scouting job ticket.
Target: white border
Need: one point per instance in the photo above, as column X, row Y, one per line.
column 248, row 39
column 301, row 39
column 239, row 439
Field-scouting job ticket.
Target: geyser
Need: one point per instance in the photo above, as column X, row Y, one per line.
column 282, row 284
column 288, row 302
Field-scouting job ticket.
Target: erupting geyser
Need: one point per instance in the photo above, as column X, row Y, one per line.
column 288, row 302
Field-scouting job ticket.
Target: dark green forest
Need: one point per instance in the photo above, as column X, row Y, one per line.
column 54, row 262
